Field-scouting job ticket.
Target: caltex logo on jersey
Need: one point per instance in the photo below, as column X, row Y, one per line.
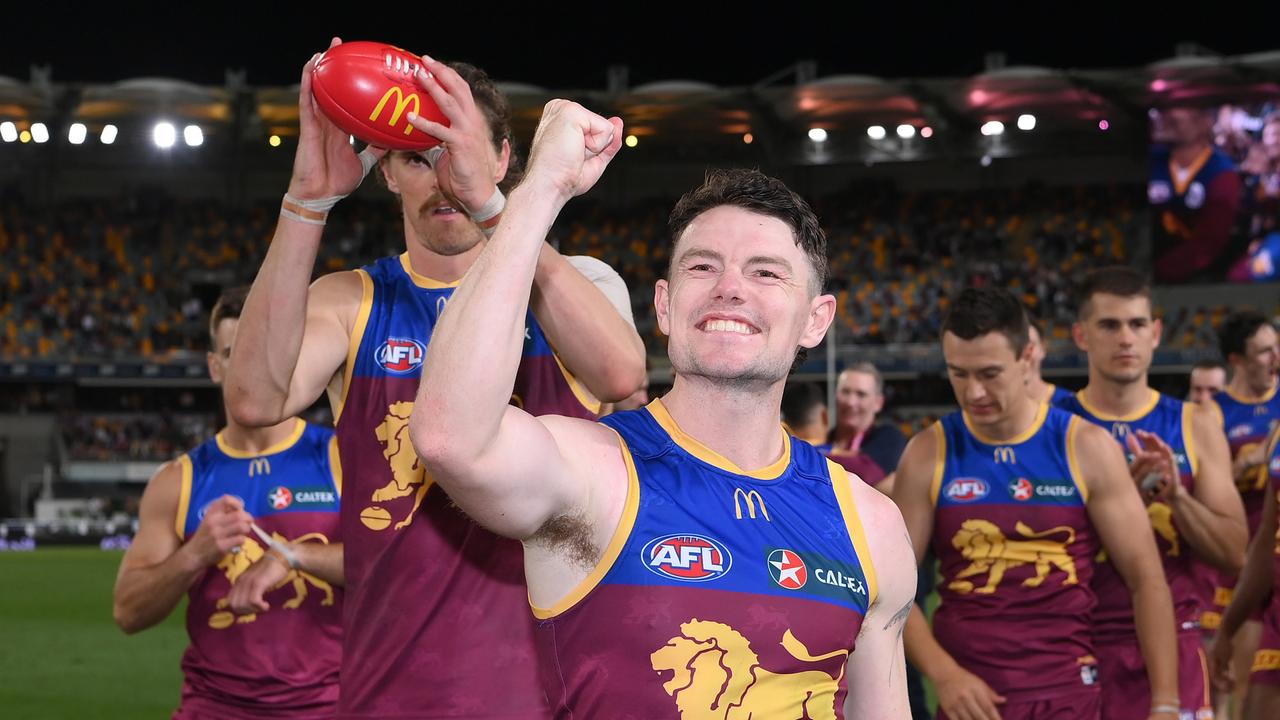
column 787, row 569
column 689, row 558
column 1021, row 489
column 966, row 489
column 280, row 498
column 401, row 355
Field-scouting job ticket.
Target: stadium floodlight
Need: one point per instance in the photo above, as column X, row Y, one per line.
column 992, row 127
column 274, row 141
column 906, row 132
column 108, row 135
column 193, row 135
column 817, row 135
column 748, row 138
column 77, row 133
column 926, row 132
column 1103, row 125
column 632, row 141
column 39, row 133
column 985, row 161
column 8, row 132
column 164, row 135
column 1027, row 121
column 876, row 132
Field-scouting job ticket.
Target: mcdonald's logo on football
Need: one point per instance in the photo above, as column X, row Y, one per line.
column 259, row 466
column 751, row 498
column 402, row 103
column 1005, row 455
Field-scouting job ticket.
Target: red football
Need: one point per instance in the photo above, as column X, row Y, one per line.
column 368, row 90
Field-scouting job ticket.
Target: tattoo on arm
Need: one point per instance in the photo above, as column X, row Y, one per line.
column 900, row 618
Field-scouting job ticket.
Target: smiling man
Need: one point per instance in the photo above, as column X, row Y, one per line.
column 688, row 556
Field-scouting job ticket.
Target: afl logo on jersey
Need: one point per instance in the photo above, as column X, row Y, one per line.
column 401, row 356
column 1195, row 196
column 1158, row 192
column 966, row 489
column 787, row 569
column 280, row 498
column 1022, row 489
column 688, row 558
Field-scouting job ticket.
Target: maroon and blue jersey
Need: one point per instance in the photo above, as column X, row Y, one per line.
column 1170, row 420
column 1247, row 423
column 1016, row 553
column 437, row 620
column 723, row 593
column 1060, row 395
column 282, row 663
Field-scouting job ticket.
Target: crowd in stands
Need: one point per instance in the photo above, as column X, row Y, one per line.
column 139, row 437
column 134, row 279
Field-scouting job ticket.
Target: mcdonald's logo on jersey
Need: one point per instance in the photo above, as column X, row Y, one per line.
column 402, row 103
column 1005, row 455
column 750, row 498
column 259, row 466
column 1120, row 430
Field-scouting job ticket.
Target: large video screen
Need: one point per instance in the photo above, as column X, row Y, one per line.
column 1214, row 189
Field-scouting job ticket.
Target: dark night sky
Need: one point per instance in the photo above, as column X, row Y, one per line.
column 657, row 41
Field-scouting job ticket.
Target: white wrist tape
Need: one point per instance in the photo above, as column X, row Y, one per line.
column 313, row 212
column 276, row 545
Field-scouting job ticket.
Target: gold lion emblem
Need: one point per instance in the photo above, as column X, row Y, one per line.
column 1161, row 516
column 407, row 473
column 233, row 565
column 715, row 675
column 987, row 549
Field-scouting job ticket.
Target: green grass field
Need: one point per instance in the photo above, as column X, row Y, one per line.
column 61, row 656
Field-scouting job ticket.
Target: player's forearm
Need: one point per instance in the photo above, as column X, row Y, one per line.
column 270, row 331
column 145, row 596
column 923, row 650
column 1216, row 538
column 475, row 350
column 322, row 560
column 1153, row 614
column 595, row 343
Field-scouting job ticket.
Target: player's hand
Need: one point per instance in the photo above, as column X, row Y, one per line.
column 248, row 593
column 571, row 148
column 1246, row 460
column 224, row 529
column 964, row 696
column 1220, row 663
column 467, row 170
column 325, row 165
column 1154, row 467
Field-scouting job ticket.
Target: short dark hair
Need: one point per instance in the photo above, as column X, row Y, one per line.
column 978, row 311
column 1237, row 329
column 229, row 306
column 800, row 402
column 1033, row 323
column 1118, row 280
column 759, row 193
column 1212, row 364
